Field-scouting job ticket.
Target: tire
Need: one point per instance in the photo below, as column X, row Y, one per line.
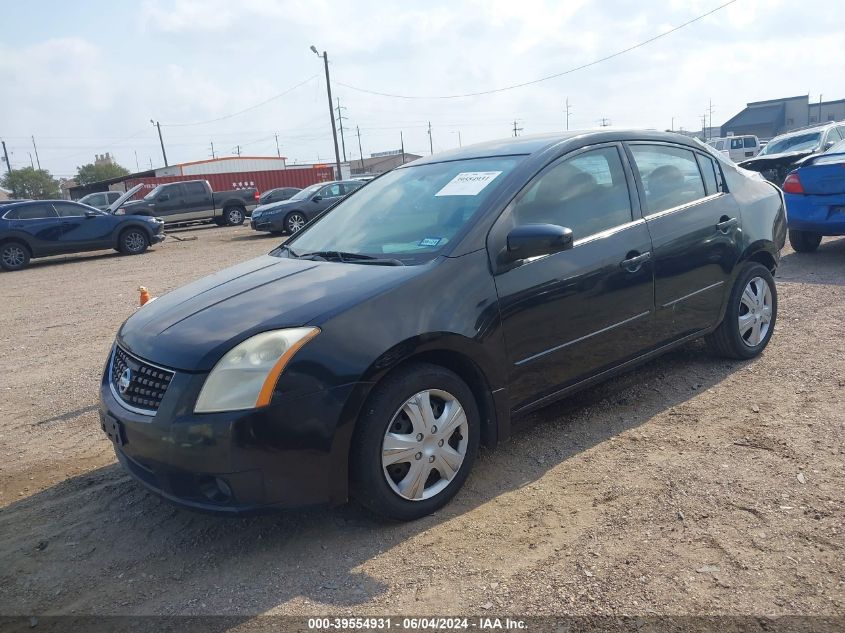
column 761, row 302
column 14, row 255
column 444, row 459
column 294, row 222
column 234, row 216
column 133, row 241
column 804, row 241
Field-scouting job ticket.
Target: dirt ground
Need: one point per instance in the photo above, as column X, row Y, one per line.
column 692, row 485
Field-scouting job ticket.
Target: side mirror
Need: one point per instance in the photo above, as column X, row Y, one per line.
column 828, row 145
column 163, row 197
column 91, row 214
column 317, row 198
column 532, row 240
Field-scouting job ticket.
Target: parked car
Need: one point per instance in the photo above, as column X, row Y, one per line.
column 101, row 200
column 39, row 228
column 376, row 349
column 815, row 199
column 737, row 148
column 785, row 152
column 193, row 200
column 291, row 215
column 278, row 194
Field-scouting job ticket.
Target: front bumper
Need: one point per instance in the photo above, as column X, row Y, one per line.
column 285, row 455
column 273, row 223
column 815, row 213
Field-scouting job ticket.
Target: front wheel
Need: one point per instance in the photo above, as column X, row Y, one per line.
column 13, row 256
column 750, row 316
column 294, row 222
column 133, row 242
column 415, row 443
column 804, row 241
column 234, row 216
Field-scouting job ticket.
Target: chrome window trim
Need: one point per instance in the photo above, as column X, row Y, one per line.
column 680, row 207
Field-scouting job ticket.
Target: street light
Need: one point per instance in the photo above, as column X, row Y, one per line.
column 331, row 109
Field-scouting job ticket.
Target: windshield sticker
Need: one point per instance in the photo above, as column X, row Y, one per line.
column 468, row 183
column 429, row 241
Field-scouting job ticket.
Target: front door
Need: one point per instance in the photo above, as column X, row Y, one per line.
column 170, row 204
column 695, row 227
column 81, row 232
column 575, row 313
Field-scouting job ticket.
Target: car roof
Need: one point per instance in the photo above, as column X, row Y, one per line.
column 821, row 127
column 537, row 143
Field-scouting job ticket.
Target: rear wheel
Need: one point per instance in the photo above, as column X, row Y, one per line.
column 14, row 255
column 415, row 443
column 133, row 242
column 804, row 241
column 750, row 316
column 294, row 222
column 234, row 216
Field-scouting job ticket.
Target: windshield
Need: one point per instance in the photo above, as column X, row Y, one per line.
column 308, row 192
column 153, row 193
column 409, row 214
column 797, row 143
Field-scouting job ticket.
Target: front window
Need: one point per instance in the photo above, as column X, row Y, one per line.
column 797, row 143
column 409, row 214
column 307, row 192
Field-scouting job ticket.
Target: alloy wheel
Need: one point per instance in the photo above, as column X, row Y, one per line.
column 295, row 222
column 134, row 242
column 755, row 312
column 14, row 256
column 425, row 444
column 235, row 216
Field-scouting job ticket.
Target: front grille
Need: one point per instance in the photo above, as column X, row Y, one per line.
column 146, row 384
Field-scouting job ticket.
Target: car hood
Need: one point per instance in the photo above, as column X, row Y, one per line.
column 263, row 208
column 192, row 327
column 773, row 160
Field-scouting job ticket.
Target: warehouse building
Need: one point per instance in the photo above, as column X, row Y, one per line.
column 767, row 119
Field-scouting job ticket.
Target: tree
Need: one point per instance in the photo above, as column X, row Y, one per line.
column 92, row 172
column 36, row 184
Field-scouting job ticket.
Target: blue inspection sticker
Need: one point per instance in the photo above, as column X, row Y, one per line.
column 429, row 241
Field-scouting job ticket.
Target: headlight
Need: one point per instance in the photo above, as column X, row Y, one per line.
column 246, row 376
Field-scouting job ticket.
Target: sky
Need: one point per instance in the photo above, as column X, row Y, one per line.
column 86, row 78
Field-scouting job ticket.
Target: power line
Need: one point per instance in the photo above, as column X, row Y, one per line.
column 252, row 107
column 548, row 77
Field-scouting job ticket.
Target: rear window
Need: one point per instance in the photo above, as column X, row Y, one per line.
column 32, row 212
column 749, row 142
column 194, row 188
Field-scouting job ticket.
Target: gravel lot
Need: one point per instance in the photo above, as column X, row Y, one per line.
column 692, row 485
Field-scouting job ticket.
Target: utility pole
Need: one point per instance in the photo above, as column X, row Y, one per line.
column 568, row 106
column 820, row 109
column 360, row 151
column 430, row 139
column 37, row 160
column 213, row 156
column 604, row 122
column 704, row 126
column 9, row 165
column 137, row 166
column 278, row 151
column 30, row 160
column 160, row 140
column 340, row 119
column 151, row 162
column 710, row 127
column 516, row 130
column 331, row 108
column 401, row 144
column 238, row 150
column 673, row 124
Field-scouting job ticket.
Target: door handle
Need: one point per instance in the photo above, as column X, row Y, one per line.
column 726, row 224
column 633, row 264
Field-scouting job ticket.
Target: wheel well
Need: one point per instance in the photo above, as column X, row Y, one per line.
column 17, row 241
column 471, row 374
column 765, row 258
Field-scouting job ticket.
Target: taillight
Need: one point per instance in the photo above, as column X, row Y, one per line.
column 792, row 184
column 257, row 195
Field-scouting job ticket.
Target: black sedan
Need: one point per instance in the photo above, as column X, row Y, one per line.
column 291, row 215
column 38, row 228
column 376, row 350
column 278, row 194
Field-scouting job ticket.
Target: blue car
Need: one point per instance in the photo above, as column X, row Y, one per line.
column 38, row 228
column 815, row 199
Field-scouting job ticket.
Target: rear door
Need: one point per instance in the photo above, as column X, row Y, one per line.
column 39, row 225
column 695, row 227
column 198, row 202
column 81, row 231
column 572, row 314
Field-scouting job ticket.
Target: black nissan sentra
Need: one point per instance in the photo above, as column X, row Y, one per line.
column 373, row 352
